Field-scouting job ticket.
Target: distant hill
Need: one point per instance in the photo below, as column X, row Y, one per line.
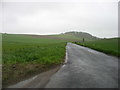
column 82, row 35
column 68, row 36
column 71, row 36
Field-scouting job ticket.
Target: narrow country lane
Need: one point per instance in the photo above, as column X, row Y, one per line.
column 86, row 68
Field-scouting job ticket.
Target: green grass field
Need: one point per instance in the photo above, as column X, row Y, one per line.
column 63, row 37
column 109, row 46
column 24, row 56
column 68, row 37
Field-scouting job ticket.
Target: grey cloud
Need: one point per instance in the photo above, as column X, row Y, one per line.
column 99, row 19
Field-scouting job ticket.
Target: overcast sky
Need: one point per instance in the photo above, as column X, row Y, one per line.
column 97, row 17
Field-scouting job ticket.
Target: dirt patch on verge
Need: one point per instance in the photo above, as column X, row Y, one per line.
column 38, row 81
column 18, row 72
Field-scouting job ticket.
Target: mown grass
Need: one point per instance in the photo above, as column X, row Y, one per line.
column 24, row 56
column 108, row 46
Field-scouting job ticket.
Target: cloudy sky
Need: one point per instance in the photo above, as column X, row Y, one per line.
column 97, row 17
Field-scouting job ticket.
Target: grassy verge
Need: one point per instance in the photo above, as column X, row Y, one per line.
column 0, row 48
column 108, row 46
column 24, row 56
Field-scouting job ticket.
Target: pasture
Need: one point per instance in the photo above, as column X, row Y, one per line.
column 24, row 56
column 108, row 46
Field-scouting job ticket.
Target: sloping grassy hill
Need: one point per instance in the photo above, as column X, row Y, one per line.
column 70, row 36
column 24, row 56
column 81, row 35
column 109, row 46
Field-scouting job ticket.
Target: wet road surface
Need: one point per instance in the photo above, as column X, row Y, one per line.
column 86, row 68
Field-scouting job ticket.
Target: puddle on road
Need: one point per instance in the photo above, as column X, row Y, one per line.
column 92, row 51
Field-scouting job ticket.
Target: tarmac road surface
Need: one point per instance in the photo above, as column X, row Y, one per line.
column 86, row 68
